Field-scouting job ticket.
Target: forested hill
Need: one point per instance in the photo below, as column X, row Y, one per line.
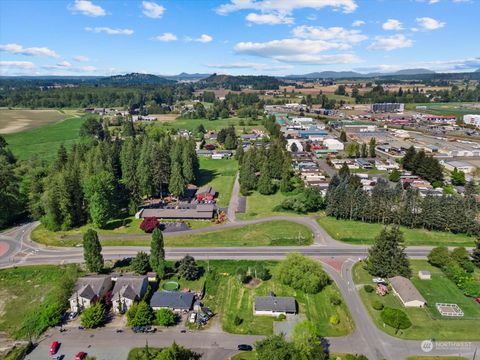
column 134, row 79
column 236, row 82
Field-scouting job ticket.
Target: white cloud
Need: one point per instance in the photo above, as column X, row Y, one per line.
column 249, row 65
column 32, row 51
column 392, row 24
column 431, row 2
column 285, row 6
column 17, row 65
column 87, row 8
column 81, row 58
column 320, row 59
column 269, row 19
column 391, row 42
column 204, row 38
column 337, row 34
column 165, row 37
column 427, row 23
column 358, row 23
column 109, row 31
column 152, row 10
column 437, row 65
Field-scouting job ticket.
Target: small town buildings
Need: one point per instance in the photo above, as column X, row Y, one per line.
column 424, row 275
column 88, row 290
column 127, row 290
column 388, row 107
column 333, row 144
column 206, row 194
column 297, row 143
column 472, row 120
column 182, row 211
column 407, row 292
column 450, row 165
column 174, row 300
column 274, row 305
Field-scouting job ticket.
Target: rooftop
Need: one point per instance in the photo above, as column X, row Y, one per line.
column 275, row 304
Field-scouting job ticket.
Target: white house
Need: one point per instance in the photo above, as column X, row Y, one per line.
column 450, row 165
column 407, row 292
column 472, row 120
column 128, row 290
column 290, row 143
column 88, row 290
column 333, row 144
column 274, row 306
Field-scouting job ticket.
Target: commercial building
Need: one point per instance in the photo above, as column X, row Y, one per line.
column 333, row 144
column 472, row 120
column 388, row 107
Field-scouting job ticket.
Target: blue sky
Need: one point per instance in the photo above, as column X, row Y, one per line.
column 273, row 37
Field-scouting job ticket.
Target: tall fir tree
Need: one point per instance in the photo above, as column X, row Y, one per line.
column 92, row 251
column 177, row 185
column 157, row 253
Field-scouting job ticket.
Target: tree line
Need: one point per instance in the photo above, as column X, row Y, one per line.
column 346, row 199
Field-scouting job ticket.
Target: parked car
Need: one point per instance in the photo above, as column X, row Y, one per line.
column 54, row 348
column 183, row 331
column 208, row 311
column 119, row 331
column 244, row 347
column 379, row 280
column 81, row 355
column 72, row 315
column 478, row 300
column 150, row 329
column 193, row 317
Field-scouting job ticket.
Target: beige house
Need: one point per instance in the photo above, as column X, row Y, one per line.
column 407, row 292
column 128, row 290
column 274, row 305
column 88, row 290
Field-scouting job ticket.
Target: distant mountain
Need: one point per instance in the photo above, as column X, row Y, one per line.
column 186, row 76
column 236, row 82
column 478, row 70
column 135, row 79
column 413, row 72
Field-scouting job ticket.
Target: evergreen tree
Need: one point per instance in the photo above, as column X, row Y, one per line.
column 265, row 184
column 157, row 253
column 387, row 257
column 343, row 136
column 344, row 171
column 129, row 163
column 371, row 147
column 100, row 193
column 239, row 153
column 177, row 185
column 10, row 198
column 458, row 177
column 476, row 253
column 364, row 150
column 92, row 251
column 285, row 182
column 140, row 263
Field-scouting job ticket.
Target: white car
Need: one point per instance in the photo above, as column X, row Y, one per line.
column 379, row 280
column 193, row 317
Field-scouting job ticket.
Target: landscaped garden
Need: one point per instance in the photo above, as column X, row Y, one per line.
column 427, row 323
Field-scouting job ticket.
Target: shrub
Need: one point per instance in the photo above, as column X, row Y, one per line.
column 335, row 300
column 377, row 305
column 439, row 256
column 237, row 321
column 93, row 317
column 149, row 224
column 281, row 317
column 369, row 288
column 165, row 317
column 140, row 314
column 395, row 318
column 262, row 273
column 243, row 275
column 334, row 320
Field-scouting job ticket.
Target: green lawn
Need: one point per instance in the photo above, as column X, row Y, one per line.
column 44, row 141
column 259, row 205
column 244, row 355
column 215, row 125
column 24, row 291
column 361, row 233
column 272, row 233
column 228, row 297
column 427, row 323
column 220, row 174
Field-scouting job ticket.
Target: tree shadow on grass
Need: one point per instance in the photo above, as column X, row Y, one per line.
column 115, row 224
column 206, row 176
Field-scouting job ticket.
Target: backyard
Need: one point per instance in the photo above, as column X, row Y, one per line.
column 427, row 322
column 259, row 205
column 362, row 233
column 226, row 295
column 272, row 233
column 220, row 174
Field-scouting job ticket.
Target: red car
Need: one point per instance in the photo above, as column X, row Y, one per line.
column 81, row 355
column 54, row 348
column 477, row 300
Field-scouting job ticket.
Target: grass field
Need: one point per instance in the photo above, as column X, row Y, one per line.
column 360, row 233
column 244, row 355
column 16, row 120
column 446, row 109
column 227, row 296
column 259, row 205
column 273, row 233
column 24, row 290
column 220, row 174
column 43, row 142
column 209, row 125
column 427, row 323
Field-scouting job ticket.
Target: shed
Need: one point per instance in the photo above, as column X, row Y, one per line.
column 407, row 292
column 424, row 275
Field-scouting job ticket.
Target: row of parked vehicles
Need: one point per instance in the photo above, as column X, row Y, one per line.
column 143, row 329
column 54, row 352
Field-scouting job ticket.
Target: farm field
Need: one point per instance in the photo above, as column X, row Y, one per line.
column 259, row 205
column 215, row 125
column 226, row 295
column 16, row 120
column 220, row 174
column 44, row 141
column 273, row 233
column 360, row 233
column 446, row 109
column 427, row 322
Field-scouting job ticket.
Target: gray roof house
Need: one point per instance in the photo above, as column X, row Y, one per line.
column 275, row 305
column 127, row 290
column 407, row 292
column 174, row 300
column 88, row 290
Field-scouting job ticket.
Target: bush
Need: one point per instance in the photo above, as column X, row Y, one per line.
column 439, row 256
column 93, row 317
column 334, row 320
column 369, row 288
column 335, row 300
column 281, row 317
column 149, row 224
column 140, row 314
column 141, row 263
column 377, row 305
column 395, row 318
column 261, row 272
column 165, row 317
column 237, row 321
column 243, row 275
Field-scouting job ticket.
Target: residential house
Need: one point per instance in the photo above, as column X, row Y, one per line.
column 88, row 290
column 174, row 300
column 274, row 305
column 206, row 194
column 182, row 211
column 407, row 292
column 127, row 290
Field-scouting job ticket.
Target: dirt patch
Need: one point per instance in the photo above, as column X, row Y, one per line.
column 165, row 117
column 16, row 120
column 254, row 283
